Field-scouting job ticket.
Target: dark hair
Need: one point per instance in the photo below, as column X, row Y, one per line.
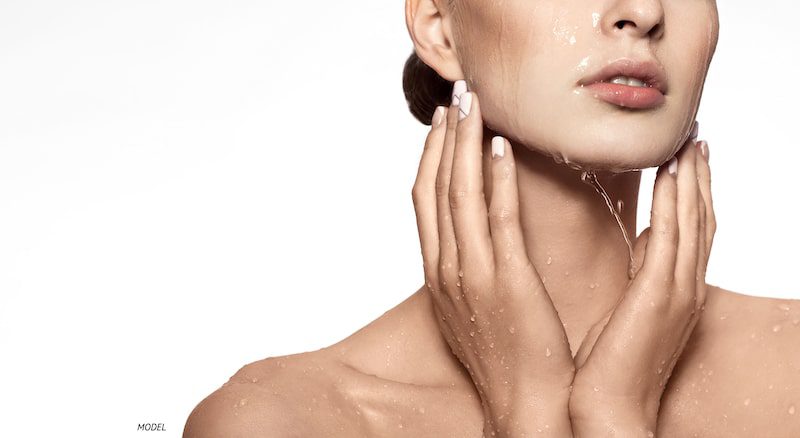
column 424, row 89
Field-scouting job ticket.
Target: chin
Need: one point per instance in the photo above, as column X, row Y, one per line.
column 613, row 152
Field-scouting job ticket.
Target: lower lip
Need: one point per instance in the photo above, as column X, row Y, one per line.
column 626, row 95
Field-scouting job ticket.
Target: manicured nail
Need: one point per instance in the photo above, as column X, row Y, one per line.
column 498, row 147
column 459, row 88
column 438, row 116
column 673, row 166
column 703, row 145
column 695, row 129
column 465, row 105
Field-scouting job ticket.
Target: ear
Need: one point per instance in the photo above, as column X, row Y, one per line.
column 429, row 25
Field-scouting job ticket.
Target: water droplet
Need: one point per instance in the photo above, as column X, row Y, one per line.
column 791, row 410
column 254, row 380
column 620, row 205
column 785, row 307
column 596, row 389
column 549, row 260
column 747, row 402
column 508, row 256
column 491, row 345
column 511, row 329
column 723, row 317
column 660, row 370
column 472, row 318
column 242, row 402
column 547, row 352
column 461, row 273
column 472, row 334
column 776, row 328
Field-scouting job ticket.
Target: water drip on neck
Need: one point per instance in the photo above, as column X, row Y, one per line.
column 590, row 178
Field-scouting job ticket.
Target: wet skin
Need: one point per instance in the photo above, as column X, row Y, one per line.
column 737, row 377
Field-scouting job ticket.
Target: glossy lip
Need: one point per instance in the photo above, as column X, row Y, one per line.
column 647, row 71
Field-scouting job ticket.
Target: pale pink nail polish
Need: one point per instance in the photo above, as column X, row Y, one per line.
column 695, row 130
column 465, row 105
column 438, row 116
column 498, row 147
column 673, row 166
column 459, row 88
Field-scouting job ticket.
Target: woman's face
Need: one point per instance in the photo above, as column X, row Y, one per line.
column 526, row 60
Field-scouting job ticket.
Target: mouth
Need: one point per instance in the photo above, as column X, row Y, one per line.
column 629, row 83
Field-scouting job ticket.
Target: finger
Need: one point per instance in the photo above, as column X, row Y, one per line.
column 662, row 246
column 424, row 196
column 448, row 252
column 467, row 202
column 639, row 249
column 508, row 243
column 702, row 256
column 688, row 222
column 704, row 175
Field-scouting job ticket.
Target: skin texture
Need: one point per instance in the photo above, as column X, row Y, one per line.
column 403, row 374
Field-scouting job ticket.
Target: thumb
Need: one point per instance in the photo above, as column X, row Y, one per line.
column 638, row 253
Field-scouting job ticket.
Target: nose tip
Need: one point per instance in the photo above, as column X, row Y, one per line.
column 638, row 18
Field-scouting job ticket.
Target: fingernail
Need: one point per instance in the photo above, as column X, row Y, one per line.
column 703, row 145
column 438, row 116
column 459, row 88
column 695, row 129
column 498, row 147
column 465, row 105
column 673, row 166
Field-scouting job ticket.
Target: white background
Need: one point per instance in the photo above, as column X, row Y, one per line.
column 190, row 186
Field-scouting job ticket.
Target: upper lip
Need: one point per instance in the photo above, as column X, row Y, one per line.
column 648, row 71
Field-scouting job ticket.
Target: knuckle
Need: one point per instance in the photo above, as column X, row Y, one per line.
column 669, row 231
column 502, row 215
column 442, row 186
column 419, row 192
column 458, row 196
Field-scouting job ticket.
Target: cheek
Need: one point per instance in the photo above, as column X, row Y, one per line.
column 511, row 64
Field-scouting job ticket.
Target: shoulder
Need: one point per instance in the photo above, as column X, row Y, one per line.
column 740, row 371
column 275, row 397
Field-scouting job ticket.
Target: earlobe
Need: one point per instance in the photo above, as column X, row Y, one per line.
column 429, row 31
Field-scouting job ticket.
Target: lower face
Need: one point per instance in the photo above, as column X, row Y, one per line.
column 525, row 59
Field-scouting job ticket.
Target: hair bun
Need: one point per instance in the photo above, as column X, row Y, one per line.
column 424, row 89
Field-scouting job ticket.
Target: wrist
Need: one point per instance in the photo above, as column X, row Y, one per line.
column 546, row 416
column 602, row 419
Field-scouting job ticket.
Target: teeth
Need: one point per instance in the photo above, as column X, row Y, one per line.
column 624, row 80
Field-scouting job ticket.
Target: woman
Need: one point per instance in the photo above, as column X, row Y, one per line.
column 536, row 317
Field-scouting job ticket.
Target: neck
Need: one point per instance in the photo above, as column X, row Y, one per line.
column 571, row 237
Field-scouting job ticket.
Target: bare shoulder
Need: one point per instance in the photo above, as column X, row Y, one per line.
column 740, row 372
column 286, row 396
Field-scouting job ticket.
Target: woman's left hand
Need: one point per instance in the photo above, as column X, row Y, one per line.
column 622, row 366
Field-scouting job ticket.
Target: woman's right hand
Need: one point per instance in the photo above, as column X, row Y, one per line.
column 490, row 303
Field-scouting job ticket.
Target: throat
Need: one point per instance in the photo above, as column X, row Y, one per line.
column 591, row 179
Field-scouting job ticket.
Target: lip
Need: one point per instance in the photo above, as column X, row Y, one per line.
column 647, row 71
